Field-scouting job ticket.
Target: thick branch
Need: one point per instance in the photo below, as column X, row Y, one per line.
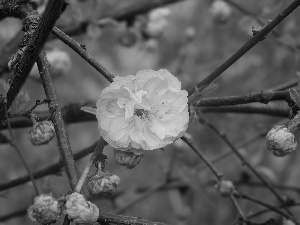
column 25, row 57
column 260, row 36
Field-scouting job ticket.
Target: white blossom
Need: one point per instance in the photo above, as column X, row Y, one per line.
column 147, row 111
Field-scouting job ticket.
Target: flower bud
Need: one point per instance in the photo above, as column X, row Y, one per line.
column 220, row 11
column 281, row 141
column 126, row 158
column 103, row 184
column 42, row 132
column 225, row 188
column 45, row 210
column 79, row 210
column 157, row 22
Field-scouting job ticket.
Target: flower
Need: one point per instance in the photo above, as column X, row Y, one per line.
column 79, row 210
column 129, row 159
column 281, row 141
column 60, row 64
column 225, row 188
column 157, row 22
column 42, row 132
column 220, row 11
column 45, row 210
column 147, row 111
column 103, row 184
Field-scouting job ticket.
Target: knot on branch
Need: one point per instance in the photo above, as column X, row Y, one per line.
column 266, row 97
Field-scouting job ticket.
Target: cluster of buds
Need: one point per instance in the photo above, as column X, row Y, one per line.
column 103, row 183
column 42, row 132
column 126, row 158
column 45, row 210
column 281, row 141
column 225, row 188
column 79, row 210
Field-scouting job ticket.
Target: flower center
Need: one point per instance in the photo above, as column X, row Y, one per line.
column 142, row 113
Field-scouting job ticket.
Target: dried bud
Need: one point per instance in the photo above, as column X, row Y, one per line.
column 45, row 210
column 126, row 158
column 79, row 210
column 281, row 141
column 42, row 132
column 225, row 188
column 103, row 184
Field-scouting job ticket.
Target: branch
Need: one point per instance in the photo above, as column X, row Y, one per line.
column 260, row 36
column 262, row 97
column 34, row 39
column 61, row 134
column 51, row 169
column 249, row 109
column 82, row 52
column 246, row 163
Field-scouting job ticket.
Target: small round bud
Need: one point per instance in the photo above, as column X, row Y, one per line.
column 190, row 33
column 220, row 11
column 42, row 132
column 81, row 211
column 127, row 38
column 103, row 184
column 281, row 141
column 45, row 210
column 126, row 158
column 225, row 188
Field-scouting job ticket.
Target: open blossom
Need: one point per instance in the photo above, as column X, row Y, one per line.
column 81, row 211
column 147, row 111
column 45, row 210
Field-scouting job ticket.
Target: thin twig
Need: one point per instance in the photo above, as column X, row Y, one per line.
column 214, row 170
column 245, row 162
column 14, row 145
column 250, row 109
column 261, row 35
column 62, row 137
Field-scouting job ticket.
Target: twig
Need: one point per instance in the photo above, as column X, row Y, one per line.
column 95, row 155
column 124, row 220
column 261, row 35
column 262, row 97
column 214, row 170
column 250, row 109
column 203, row 157
column 51, row 169
column 14, row 145
column 62, row 138
column 265, row 204
column 245, row 162
column 78, row 48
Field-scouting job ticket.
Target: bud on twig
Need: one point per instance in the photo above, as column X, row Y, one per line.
column 126, row 158
column 103, row 184
column 42, row 132
column 225, row 188
column 45, row 210
column 281, row 141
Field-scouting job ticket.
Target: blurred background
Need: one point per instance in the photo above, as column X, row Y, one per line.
column 191, row 39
